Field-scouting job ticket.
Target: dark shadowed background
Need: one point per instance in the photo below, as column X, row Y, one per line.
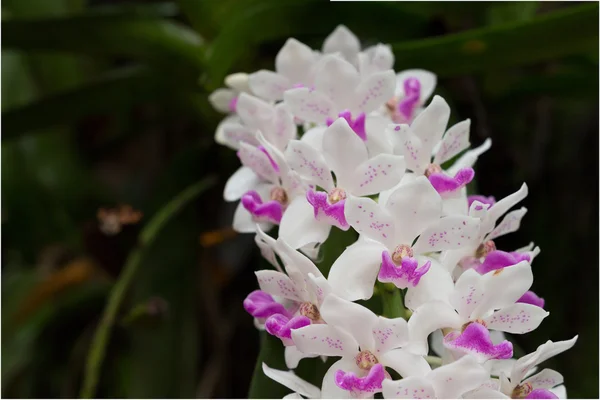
column 104, row 104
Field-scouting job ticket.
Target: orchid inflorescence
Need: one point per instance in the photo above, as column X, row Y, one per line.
column 375, row 157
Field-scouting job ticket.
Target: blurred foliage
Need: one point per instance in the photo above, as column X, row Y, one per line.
column 105, row 103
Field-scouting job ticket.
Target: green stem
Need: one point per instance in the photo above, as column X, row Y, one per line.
column 392, row 301
column 146, row 238
column 433, row 361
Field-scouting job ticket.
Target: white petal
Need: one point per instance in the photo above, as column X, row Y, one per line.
column 292, row 396
column 374, row 91
column 381, row 172
column 242, row 180
column 238, row 81
column 298, row 226
column 429, row 317
column 452, row 380
column 485, row 393
column 518, row 318
column 289, row 256
column 295, row 61
column 309, row 105
column 469, row 158
column 353, row 274
column 293, row 382
column 430, row 125
column 243, row 222
column 501, row 207
column 455, row 140
column 343, row 151
column 220, row 136
column 309, row 164
column 376, row 58
column 269, row 85
column 314, row 137
column 414, row 206
column 510, row 223
column 330, row 390
column 324, row 340
column 408, row 144
column 266, row 244
column 344, row 41
column 468, row 293
column 221, row 98
column 390, row 334
column 233, row 134
column 293, row 356
column 337, row 79
column 253, row 111
column 542, row 353
column 427, row 79
column 448, row 233
column 277, row 284
column 282, row 128
column 436, row 284
column 413, row 387
column 560, row 391
column 405, row 363
column 355, row 319
column 378, row 140
column 457, row 204
column 371, row 220
column 545, row 379
column 253, row 158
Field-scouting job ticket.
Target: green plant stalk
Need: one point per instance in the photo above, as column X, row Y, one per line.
column 146, row 238
column 392, row 301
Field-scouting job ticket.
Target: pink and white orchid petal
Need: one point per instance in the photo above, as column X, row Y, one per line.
column 324, row 340
column 414, row 387
column 283, row 128
column 518, row 318
column 485, row 392
column 503, row 287
column 351, row 317
column 253, row 158
column 436, row 284
column 329, row 389
column 375, row 59
column 309, row 105
column 295, row 61
column 314, row 137
column 408, row 144
column 545, row 379
column 353, row 274
column 475, row 340
column 427, row 79
column 221, row 99
column 468, row 293
column 560, row 391
column 253, row 111
column 469, row 158
column 342, row 40
column 405, row 363
column 238, row 81
column 319, row 288
column 343, row 151
column 337, row 79
column 448, row 233
column 242, row 180
column 456, row 203
column 451, row 381
column 298, row 226
column 243, row 221
column 266, row 244
column 429, row 317
column 455, row 140
column 232, row 134
column 309, row 164
column 430, row 125
column 389, row 334
column 374, row 91
column 510, row 223
column 292, row 395
column 378, row 140
column 371, row 220
column 278, row 284
column 268, row 85
column 381, row 172
column 293, row 382
column 290, row 256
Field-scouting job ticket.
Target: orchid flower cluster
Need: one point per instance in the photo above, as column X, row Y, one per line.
column 375, row 156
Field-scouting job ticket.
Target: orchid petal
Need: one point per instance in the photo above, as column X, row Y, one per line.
column 370, row 219
column 295, row 61
column 448, row 233
column 343, row 151
column 545, row 379
column 475, row 340
column 292, row 381
column 469, row 158
column 325, row 340
column 427, row 79
column 376, row 174
column 337, row 79
column 405, row 363
column 329, row 389
column 242, row 180
column 374, row 91
column 430, row 125
column 413, row 387
column 436, row 284
column 351, row 317
column 268, row 85
column 342, row 40
column 309, row 164
column 389, row 334
column 277, row 284
column 309, row 105
column 298, row 227
column 221, row 98
column 429, row 317
column 510, row 223
column 451, row 381
column 455, row 140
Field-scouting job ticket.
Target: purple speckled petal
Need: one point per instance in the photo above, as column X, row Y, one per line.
column 531, row 298
column 281, row 326
column 330, row 213
column 260, row 304
column 271, row 211
column 500, row 259
column 404, row 276
column 475, row 340
column 445, row 184
column 357, row 125
column 482, row 199
column 541, row 394
column 368, row 385
column 273, row 163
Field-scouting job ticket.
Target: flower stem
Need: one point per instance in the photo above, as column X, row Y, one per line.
column 392, row 301
column 146, row 238
column 433, row 361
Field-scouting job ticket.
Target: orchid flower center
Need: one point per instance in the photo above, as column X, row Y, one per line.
column 400, row 252
column 432, row 169
column 336, row 195
column 485, row 248
column 365, row 360
column 279, row 195
column 310, row 311
column 521, row 391
column 479, row 321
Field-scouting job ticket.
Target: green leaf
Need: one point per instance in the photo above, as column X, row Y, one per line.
column 553, row 35
column 271, row 353
column 501, row 13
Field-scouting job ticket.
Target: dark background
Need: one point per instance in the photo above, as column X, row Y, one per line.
column 105, row 103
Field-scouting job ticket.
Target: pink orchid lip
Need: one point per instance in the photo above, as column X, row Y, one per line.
column 411, row 100
column 369, row 384
column 281, row 326
column 531, row 298
column 270, row 211
column 261, row 305
column 541, row 394
column 482, row 199
column 475, row 339
column 233, row 104
column 445, row 184
column 408, row 274
column 358, row 125
column 499, row 259
column 324, row 210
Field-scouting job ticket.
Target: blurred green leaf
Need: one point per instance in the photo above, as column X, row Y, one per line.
column 553, row 35
column 511, row 11
column 271, row 353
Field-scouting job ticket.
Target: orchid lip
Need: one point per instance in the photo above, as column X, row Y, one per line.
column 358, row 124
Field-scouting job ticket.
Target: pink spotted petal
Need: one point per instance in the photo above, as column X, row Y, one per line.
column 260, row 304
column 404, row 276
column 281, row 326
column 445, row 184
column 531, row 298
column 270, row 211
column 541, row 394
column 498, row 259
column 475, row 340
column 273, row 163
column 482, row 199
column 369, row 384
column 330, row 213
